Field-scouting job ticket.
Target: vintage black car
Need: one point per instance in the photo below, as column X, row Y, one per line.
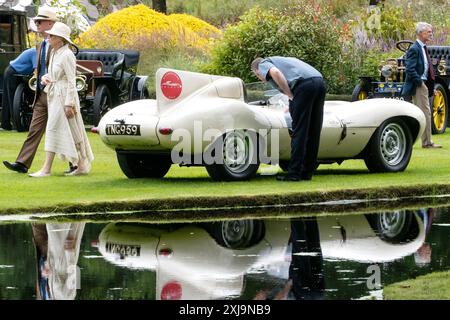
column 392, row 77
column 105, row 79
column 13, row 38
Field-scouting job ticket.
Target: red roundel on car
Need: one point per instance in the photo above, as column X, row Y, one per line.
column 171, row 85
column 171, row 291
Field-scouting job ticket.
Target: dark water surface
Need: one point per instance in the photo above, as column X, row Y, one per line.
column 328, row 257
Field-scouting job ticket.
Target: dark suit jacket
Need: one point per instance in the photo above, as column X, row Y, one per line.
column 38, row 66
column 414, row 71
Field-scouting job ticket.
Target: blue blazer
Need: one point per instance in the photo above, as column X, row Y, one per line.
column 415, row 68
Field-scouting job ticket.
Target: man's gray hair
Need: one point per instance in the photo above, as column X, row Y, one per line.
column 421, row 26
column 255, row 63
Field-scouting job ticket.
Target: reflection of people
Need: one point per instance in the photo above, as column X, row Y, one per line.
column 65, row 134
column 24, row 64
column 306, row 270
column 419, row 82
column 306, row 278
column 422, row 256
column 44, row 21
column 305, row 89
column 57, row 251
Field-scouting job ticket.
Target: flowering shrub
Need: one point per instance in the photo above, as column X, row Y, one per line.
column 139, row 27
column 33, row 38
column 304, row 30
column 195, row 24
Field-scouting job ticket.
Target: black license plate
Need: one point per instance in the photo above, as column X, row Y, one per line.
column 123, row 249
column 123, row 129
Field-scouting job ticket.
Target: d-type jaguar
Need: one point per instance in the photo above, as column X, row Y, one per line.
column 206, row 120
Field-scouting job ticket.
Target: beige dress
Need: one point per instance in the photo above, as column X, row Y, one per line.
column 65, row 137
column 64, row 240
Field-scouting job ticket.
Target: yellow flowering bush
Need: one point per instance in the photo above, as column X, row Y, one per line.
column 33, row 39
column 197, row 25
column 139, row 27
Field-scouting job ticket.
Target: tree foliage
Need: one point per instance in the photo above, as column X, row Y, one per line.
column 303, row 30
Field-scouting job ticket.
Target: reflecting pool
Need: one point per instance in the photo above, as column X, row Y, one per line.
column 344, row 256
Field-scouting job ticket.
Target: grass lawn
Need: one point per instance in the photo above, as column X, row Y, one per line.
column 106, row 183
column 433, row 286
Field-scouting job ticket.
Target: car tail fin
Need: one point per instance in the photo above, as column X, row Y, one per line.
column 173, row 86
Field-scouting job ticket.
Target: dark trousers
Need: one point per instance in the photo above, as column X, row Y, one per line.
column 10, row 83
column 306, row 269
column 37, row 129
column 306, row 110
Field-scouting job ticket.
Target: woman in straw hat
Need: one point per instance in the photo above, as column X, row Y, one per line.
column 65, row 134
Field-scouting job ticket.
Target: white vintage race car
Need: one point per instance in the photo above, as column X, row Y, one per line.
column 205, row 120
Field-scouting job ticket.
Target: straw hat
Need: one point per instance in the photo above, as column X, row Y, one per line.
column 61, row 30
column 46, row 13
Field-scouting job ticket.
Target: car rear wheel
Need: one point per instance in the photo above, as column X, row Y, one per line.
column 136, row 165
column 439, row 110
column 390, row 147
column 102, row 103
column 237, row 234
column 21, row 111
column 359, row 93
column 237, row 158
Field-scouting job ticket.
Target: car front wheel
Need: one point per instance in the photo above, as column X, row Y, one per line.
column 235, row 156
column 135, row 165
column 398, row 226
column 390, row 147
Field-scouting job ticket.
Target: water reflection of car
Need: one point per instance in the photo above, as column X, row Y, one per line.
column 210, row 260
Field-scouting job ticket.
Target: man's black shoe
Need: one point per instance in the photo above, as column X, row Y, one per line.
column 15, row 166
column 305, row 176
column 287, row 178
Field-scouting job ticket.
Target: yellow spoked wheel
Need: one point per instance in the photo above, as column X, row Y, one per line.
column 439, row 110
column 362, row 95
column 359, row 93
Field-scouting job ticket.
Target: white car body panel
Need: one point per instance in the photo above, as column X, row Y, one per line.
column 217, row 103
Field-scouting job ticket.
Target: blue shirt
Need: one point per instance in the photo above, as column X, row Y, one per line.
column 25, row 63
column 293, row 70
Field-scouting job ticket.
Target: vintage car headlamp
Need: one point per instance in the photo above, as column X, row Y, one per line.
column 80, row 82
column 32, row 83
column 386, row 71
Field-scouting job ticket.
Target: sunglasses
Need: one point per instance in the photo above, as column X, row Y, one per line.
column 38, row 22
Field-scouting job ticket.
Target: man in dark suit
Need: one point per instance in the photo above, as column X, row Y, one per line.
column 419, row 82
column 44, row 21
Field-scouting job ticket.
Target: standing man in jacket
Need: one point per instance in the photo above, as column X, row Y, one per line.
column 419, row 82
column 306, row 90
column 44, row 21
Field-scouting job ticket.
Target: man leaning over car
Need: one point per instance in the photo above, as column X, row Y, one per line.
column 305, row 89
